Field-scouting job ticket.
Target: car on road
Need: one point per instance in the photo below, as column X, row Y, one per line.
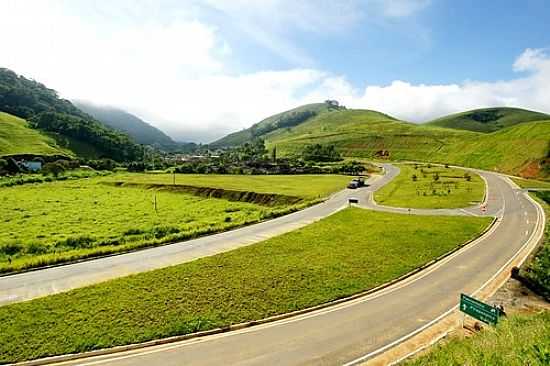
column 356, row 183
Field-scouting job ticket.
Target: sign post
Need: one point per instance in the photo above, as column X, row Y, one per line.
column 479, row 310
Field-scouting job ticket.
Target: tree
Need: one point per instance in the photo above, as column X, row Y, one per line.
column 352, row 168
column 321, row 153
column 414, row 178
column 54, row 168
column 3, row 167
column 274, row 154
column 436, row 177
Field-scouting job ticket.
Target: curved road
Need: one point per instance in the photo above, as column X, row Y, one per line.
column 42, row 282
column 33, row 284
column 349, row 331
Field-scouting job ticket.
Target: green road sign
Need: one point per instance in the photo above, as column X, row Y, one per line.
column 479, row 310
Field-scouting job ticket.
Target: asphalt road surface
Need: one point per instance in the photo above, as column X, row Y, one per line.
column 33, row 284
column 350, row 331
column 332, row 336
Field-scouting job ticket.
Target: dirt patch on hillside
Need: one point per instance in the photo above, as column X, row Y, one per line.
column 531, row 170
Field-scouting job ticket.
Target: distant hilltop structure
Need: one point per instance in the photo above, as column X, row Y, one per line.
column 334, row 104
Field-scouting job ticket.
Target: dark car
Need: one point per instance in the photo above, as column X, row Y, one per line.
column 356, row 183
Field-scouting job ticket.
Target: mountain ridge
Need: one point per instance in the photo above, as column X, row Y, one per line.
column 141, row 131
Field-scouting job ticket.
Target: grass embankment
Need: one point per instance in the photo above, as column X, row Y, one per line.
column 518, row 340
column 429, row 186
column 49, row 223
column 538, row 269
column 305, row 186
column 531, row 183
column 327, row 260
column 16, row 137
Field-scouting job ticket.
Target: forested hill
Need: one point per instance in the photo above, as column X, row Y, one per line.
column 141, row 131
column 73, row 129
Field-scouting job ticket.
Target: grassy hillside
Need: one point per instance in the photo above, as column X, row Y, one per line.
column 45, row 111
column 281, row 120
column 16, row 137
column 488, row 119
column 520, row 149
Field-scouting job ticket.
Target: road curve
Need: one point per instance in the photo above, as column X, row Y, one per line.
column 349, row 331
column 42, row 282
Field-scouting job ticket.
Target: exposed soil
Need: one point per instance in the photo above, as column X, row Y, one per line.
column 266, row 199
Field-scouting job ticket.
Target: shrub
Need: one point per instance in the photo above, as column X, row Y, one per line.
column 11, row 248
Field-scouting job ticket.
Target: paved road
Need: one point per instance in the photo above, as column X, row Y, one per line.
column 351, row 330
column 25, row 286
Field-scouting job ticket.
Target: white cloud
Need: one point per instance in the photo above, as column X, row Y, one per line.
column 170, row 69
column 421, row 102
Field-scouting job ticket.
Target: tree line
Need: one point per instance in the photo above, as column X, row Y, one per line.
column 43, row 108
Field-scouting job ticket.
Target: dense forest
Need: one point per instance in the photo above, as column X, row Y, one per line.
column 43, row 108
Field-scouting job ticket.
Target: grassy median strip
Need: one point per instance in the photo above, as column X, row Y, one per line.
column 346, row 253
column 517, row 341
column 431, row 186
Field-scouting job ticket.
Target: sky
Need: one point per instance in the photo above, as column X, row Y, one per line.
column 201, row 69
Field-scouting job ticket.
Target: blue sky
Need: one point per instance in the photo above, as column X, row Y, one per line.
column 201, row 69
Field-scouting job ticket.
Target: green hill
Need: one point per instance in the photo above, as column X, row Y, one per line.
column 520, row 149
column 141, row 131
column 59, row 118
column 286, row 120
column 17, row 138
column 488, row 119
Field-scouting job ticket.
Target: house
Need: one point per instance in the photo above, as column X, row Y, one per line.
column 33, row 166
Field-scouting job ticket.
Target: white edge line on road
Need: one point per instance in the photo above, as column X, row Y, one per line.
column 338, row 307
column 540, row 217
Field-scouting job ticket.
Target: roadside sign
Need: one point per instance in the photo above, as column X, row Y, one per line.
column 479, row 310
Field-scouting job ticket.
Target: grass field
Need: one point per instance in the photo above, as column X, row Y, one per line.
column 450, row 190
column 537, row 269
column 306, row 186
column 57, row 222
column 324, row 261
column 517, row 341
column 16, row 137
